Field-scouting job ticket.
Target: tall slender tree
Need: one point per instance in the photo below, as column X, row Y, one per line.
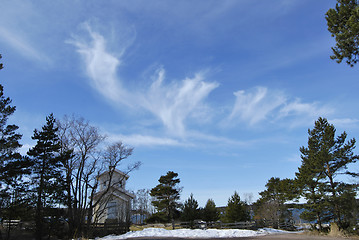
column 323, row 160
column 80, row 140
column 47, row 172
column 167, row 195
column 12, row 165
column 190, row 211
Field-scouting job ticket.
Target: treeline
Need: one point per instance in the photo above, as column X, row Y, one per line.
column 320, row 182
column 318, row 189
column 165, row 199
column 53, row 186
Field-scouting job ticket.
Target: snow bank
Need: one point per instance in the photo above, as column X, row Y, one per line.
column 197, row 233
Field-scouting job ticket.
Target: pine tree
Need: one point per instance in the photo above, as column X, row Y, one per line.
column 47, row 178
column 190, row 210
column 323, row 159
column 10, row 170
column 343, row 24
column 236, row 210
column 210, row 212
column 12, row 165
column 271, row 204
column 167, row 195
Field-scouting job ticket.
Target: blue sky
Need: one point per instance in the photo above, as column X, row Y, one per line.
column 221, row 92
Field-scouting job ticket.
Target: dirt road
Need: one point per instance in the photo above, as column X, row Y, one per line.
column 298, row 236
column 291, row 236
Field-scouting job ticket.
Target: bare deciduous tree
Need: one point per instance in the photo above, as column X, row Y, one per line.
column 112, row 157
column 142, row 204
column 82, row 140
column 84, row 143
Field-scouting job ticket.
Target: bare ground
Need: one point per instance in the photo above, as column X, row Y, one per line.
column 290, row 236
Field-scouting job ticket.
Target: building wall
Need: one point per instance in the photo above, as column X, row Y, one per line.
column 116, row 205
column 113, row 209
column 117, row 179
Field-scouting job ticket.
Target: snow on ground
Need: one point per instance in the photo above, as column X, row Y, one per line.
column 197, row 233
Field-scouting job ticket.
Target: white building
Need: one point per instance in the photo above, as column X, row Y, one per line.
column 115, row 203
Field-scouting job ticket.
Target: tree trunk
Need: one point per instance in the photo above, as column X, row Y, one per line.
column 39, row 210
column 319, row 222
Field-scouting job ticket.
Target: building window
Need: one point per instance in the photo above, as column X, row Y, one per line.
column 112, row 210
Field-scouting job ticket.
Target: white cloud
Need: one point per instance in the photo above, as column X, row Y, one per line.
column 307, row 109
column 344, row 122
column 261, row 103
column 22, row 46
column 145, row 140
column 175, row 102
column 172, row 103
column 101, row 66
column 255, row 106
column 25, row 148
column 205, row 139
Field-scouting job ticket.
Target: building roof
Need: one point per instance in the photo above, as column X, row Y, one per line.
column 116, row 171
column 115, row 192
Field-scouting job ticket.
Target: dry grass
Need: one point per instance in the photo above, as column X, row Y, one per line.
column 335, row 231
column 141, row 227
column 167, row 226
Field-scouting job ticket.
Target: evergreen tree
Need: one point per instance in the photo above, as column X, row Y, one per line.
column 236, row 210
column 12, row 165
column 271, row 204
column 190, row 211
column 323, row 159
column 166, row 195
column 343, row 24
column 210, row 212
column 10, row 169
column 47, row 179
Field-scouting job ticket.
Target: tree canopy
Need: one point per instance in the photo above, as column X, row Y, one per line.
column 48, row 186
column 210, row 212
column 271, row 204
column 190, row 211
column 167, row 194
column 13, row 186
column 236, row 209
column 343, row 24
column 325, row 157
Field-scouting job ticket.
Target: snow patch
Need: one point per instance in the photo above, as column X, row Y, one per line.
column 196, row 233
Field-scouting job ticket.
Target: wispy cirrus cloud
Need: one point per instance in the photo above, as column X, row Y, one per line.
column 22, row 46
column 175, row 102
column 193, row 139
column 298, row 108
column 345, row 122
column 255, row 106
column 172, row 103
column 260, row 103
column 145, row 140
column 101, row 66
